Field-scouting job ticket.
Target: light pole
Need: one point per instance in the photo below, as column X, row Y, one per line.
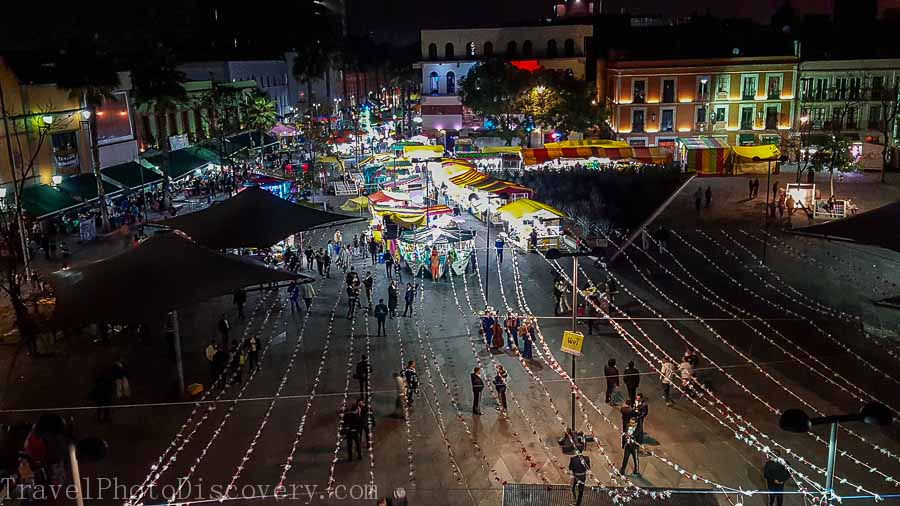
column 796, row 420
column 769, row 161
column 554, row 254
column 487, row 250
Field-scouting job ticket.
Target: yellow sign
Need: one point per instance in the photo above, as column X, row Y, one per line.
column 572, row 342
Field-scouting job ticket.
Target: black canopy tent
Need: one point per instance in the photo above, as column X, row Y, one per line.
column 873, row 228
column 164, row 273
column 254, row 218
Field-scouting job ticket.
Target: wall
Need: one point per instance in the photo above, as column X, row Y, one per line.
column 500, row 37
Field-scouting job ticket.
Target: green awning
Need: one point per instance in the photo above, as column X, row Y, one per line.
column 211, row 155
column 131, row 175
column 83, row 187
column 177, row 164
column 43, row 200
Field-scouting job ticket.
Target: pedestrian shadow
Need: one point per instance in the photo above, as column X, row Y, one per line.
column 534, row 364
column 650, row 441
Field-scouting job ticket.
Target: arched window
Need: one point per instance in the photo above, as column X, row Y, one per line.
column 448, row 51
column 435, row 83
column 489, row 48
column 551, row 48
column 526, row 49
column 451, row 83
column 432, row 51
column 570, row 48
column 470, row 50
column 511, row 48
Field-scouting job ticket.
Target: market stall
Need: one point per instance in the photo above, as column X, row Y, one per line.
column 525, row 215
column 704, row 155
column 755, row 159
column 652, row 155
column 437, row 250
column 423, row 152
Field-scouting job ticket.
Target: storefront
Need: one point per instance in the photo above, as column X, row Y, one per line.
column 524, row 216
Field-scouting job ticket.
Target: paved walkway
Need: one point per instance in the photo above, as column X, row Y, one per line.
column 249, row 442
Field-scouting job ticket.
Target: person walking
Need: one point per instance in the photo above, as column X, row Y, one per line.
column 477, row 388
column 352, row 427
column 367, row 419
column 708, row 194
column 408, row 299
column 612, row 379
column 363, row 369
column 631, row 447
column 240, row 298
column 102, row 394
column 326, row 263
column 238, row 359
column 526, row 332
column 500, row 386
column 686, row 373
column 352, row 299
column 666, row 374
column 320, row 262
column 389, row 265
column 368, row 283
column 499, row 243
column 632, row 379
column 776, row 476
column 512, row 331
column 381, row 313
column 641, row 410
column 400, row 384
column 698, row 199
column 220, row 362
column 750, row 185
column 294, row 295
column 351, row 276
column 533, row 238
column 310, row 256
column 224, row 329
column 373, row 250
column 412, row 382
column 487, row 327
column 579, row 465
column 251, row 347
column 211, row 356
column 309, row 291
column 393, row 298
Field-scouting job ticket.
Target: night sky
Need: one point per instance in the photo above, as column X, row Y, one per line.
column 399, row 20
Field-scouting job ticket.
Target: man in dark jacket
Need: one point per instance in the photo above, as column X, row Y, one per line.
column 389, row 265
column 368, row 283
column 612, row 379
column 362, row 375
column 381, row 313
column 373, row 251
column 408, row 299
column 776, row 476
column 632, row 378
column 412, row 382
column 641, row 410
column 579, row 465
column 353, row 433
column 477, row 388
column 240, row 298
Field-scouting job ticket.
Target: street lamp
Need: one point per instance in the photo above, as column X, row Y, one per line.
column 56, row 180
column 782, row 158
column 796, row 420
column 47, row 119
column 554, row 254
column 487, row 252
column 85, row 115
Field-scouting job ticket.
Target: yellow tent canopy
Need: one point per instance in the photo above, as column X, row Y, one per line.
column 423, row 151
column 332, row 159
column 524, row 207
column 597, row 143
column 501, row 149
column 356, row 204
column 764, row 152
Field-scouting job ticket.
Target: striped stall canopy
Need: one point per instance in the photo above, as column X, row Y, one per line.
column 480, row 181
column 703, row 155
column 646, row 155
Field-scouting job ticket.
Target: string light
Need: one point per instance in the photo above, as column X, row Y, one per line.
column 739, row 353
column 186, row 478
column 180, row 440
column 339, row 438
column 370, row 408
column 265, row 419
column 280, row 489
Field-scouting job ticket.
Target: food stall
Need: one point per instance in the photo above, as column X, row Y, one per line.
column 707, row 156
column 579, row 155
column 755, row 159
column 524, row 215
column 454, row 248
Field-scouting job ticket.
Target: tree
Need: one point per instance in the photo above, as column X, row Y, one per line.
column 559, row 101
column 89, row 76
column 402, row 76
column 888, row 95
column 261, row 116
column 159, row 87
column 493, row 90
column 14, row 249
column 310, row 64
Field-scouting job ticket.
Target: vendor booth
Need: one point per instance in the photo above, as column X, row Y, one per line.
column 423, row 152
column 524, row 216
column 654, row 155
column 437, row 250
column 706, row 156
column 755, row 159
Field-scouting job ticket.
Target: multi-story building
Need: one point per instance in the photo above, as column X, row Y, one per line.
column 449, row 55
column 46, row 120
column 742, row 100
column 273, row 77
column 848, row 97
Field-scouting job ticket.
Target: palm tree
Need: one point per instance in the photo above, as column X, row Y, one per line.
column 261, row 116
column 310, row 64
column 90, row 79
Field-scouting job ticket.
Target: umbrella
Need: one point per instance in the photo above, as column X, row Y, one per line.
column 254, row 218
column 164, row 273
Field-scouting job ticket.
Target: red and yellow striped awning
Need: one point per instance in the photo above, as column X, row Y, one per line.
column 480, row 181
column 646, row 155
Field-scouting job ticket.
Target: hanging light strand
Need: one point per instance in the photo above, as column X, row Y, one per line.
column 338, row 436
